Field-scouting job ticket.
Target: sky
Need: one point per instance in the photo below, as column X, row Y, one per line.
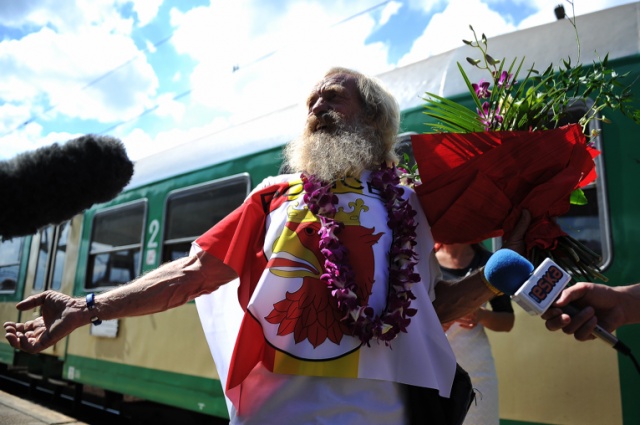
column 160, row 73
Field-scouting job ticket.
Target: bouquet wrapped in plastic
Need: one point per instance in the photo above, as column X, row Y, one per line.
column 480, row 168
column 475, row 185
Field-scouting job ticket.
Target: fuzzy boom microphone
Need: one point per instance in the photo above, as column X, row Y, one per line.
column 52, row 184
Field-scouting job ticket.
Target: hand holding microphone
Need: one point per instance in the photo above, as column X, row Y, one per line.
column 536, row 290
column 610, row 306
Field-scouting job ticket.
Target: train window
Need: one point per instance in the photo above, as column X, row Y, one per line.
column 60, row 255
column 51, row 255
column 42, row 262
column 192, row 211
column 116, row 241
column 589, row 223
column 10, row 264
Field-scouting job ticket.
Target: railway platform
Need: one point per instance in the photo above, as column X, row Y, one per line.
column 16, row 411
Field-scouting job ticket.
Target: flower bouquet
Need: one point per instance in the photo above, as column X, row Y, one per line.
column 479, row 169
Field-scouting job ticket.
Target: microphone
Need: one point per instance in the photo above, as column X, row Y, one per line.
column 535, row 290
column 52, row 184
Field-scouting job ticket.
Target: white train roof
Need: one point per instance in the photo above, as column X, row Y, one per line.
column 612, row 31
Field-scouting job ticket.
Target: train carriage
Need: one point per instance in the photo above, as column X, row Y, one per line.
column 174, row 196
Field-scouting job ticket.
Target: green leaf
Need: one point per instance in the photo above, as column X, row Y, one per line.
column 578, row 197
column 451, row 116
column 469, row 86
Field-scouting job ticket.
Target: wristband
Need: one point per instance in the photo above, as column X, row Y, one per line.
column 91, row 304
column 488, row 284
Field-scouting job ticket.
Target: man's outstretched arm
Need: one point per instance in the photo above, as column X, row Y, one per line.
column 169, row 286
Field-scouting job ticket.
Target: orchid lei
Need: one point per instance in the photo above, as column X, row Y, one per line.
column 340, row 277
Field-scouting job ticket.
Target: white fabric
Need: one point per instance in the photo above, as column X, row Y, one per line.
column 473, row 352
column 296, row 399
column 290, row 399
column 221, row 317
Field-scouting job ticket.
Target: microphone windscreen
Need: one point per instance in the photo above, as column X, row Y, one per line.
column 507, row 270
column 56, row 182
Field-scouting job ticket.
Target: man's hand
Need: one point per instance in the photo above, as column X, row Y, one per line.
column 515, row 242
column 469, row 321
column 59, row 318
column 602, row 305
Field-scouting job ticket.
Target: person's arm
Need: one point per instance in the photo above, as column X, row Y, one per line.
column 500, row 318
column 169, row 286
column 457, row 299
column 497, row 321
column 609, row 307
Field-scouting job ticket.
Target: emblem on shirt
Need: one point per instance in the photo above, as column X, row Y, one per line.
column 304, row 312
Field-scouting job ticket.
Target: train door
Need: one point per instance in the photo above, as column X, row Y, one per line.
column 46, row 263
column 13, row 256
column 49, row 249
column 43, row 266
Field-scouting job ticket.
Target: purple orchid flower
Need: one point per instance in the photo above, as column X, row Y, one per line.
column 482, row 89
column 489, row 117
column 504, row 80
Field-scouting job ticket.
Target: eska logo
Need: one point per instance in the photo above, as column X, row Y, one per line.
column 546, row 283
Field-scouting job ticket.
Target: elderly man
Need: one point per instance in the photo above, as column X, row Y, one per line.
column 338, row 284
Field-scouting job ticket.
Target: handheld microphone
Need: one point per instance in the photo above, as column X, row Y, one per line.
column 56, row 182
column 535, row 290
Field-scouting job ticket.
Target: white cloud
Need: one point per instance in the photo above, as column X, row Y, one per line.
column 168, row 107
column 448, row 28
column 140, row 144
column 64, row 15
column 277, row 65
column 388, row 11
column 67, row 63
column 146, row 10
column 151, row 48
column 65, row 70
column 425, row 5
column 30, row 139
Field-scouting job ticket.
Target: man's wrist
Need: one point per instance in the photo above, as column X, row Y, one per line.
column 90, row 301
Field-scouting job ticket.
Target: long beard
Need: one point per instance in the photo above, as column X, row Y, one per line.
column 336, row 150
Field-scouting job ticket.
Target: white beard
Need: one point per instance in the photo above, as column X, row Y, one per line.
column 337, row 150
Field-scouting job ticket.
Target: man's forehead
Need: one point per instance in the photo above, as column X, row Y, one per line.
column 337, row 80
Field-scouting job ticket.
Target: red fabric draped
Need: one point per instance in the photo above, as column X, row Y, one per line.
column 475, row 185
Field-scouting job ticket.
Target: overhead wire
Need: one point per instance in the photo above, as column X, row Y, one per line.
column 149, row 110
column 93, row 82
column 237, row 68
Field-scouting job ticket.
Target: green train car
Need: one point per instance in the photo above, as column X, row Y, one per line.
column 174, row 196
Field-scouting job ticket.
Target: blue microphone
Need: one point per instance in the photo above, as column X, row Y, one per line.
column 536, row 289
